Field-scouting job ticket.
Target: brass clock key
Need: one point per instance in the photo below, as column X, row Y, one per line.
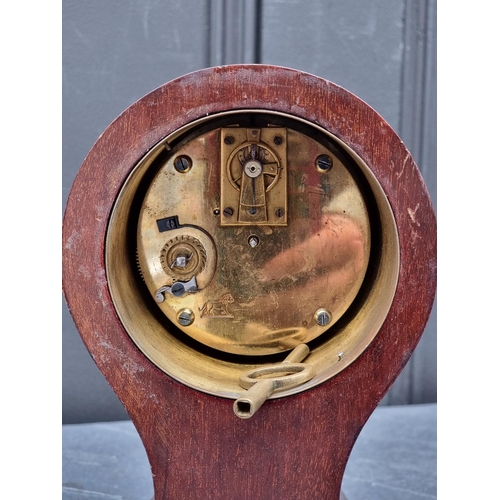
column 262, row 382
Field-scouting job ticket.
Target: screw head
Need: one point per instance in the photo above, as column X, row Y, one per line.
column 322, row 317
column 279, row 212
column 178, row 289
column 324, row 163
column 228, row 140
column 185, row 317
column 183, row 163
column 228, row 212
column 278, row 140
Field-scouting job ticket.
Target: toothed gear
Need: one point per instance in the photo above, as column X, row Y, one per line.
column 138, row 264
column 183, row 257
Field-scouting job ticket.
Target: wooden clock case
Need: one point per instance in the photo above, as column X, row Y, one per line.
column 295, row 447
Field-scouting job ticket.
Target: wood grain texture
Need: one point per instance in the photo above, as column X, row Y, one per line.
column 296, row 447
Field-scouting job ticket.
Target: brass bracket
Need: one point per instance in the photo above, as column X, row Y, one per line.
column 253, row 176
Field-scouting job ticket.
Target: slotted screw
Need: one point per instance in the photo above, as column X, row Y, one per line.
column 322, row 317
column 324, row 163
column 185, row 317
column 182, row 164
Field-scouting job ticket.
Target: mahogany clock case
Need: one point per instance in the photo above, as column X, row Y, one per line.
column 217, row 452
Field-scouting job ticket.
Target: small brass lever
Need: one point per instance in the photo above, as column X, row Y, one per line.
column 294, row 373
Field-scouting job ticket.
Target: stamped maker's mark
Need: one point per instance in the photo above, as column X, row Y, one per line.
column 217, row 308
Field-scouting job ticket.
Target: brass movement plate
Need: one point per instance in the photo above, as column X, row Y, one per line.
column 263, row 240
column 313, row 269
column 253, row 176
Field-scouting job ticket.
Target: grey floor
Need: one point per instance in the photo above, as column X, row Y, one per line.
column 394, row 459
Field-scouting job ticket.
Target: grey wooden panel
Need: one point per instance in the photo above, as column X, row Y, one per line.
column 357, row 44
column 417, row 382
column 418, row 106
column 383, row 52
column 114, row 52
column 234, row 32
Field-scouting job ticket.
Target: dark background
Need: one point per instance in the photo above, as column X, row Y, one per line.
column 115, row 52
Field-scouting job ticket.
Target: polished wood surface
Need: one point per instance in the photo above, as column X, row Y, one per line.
column 296, row 447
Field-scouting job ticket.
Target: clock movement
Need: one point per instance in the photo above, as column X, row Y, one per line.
column 250, row 259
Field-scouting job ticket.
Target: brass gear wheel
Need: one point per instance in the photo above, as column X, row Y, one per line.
column 183, row 257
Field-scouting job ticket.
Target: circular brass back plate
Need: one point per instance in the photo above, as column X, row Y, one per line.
column 260, row 298
column 310, row 254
